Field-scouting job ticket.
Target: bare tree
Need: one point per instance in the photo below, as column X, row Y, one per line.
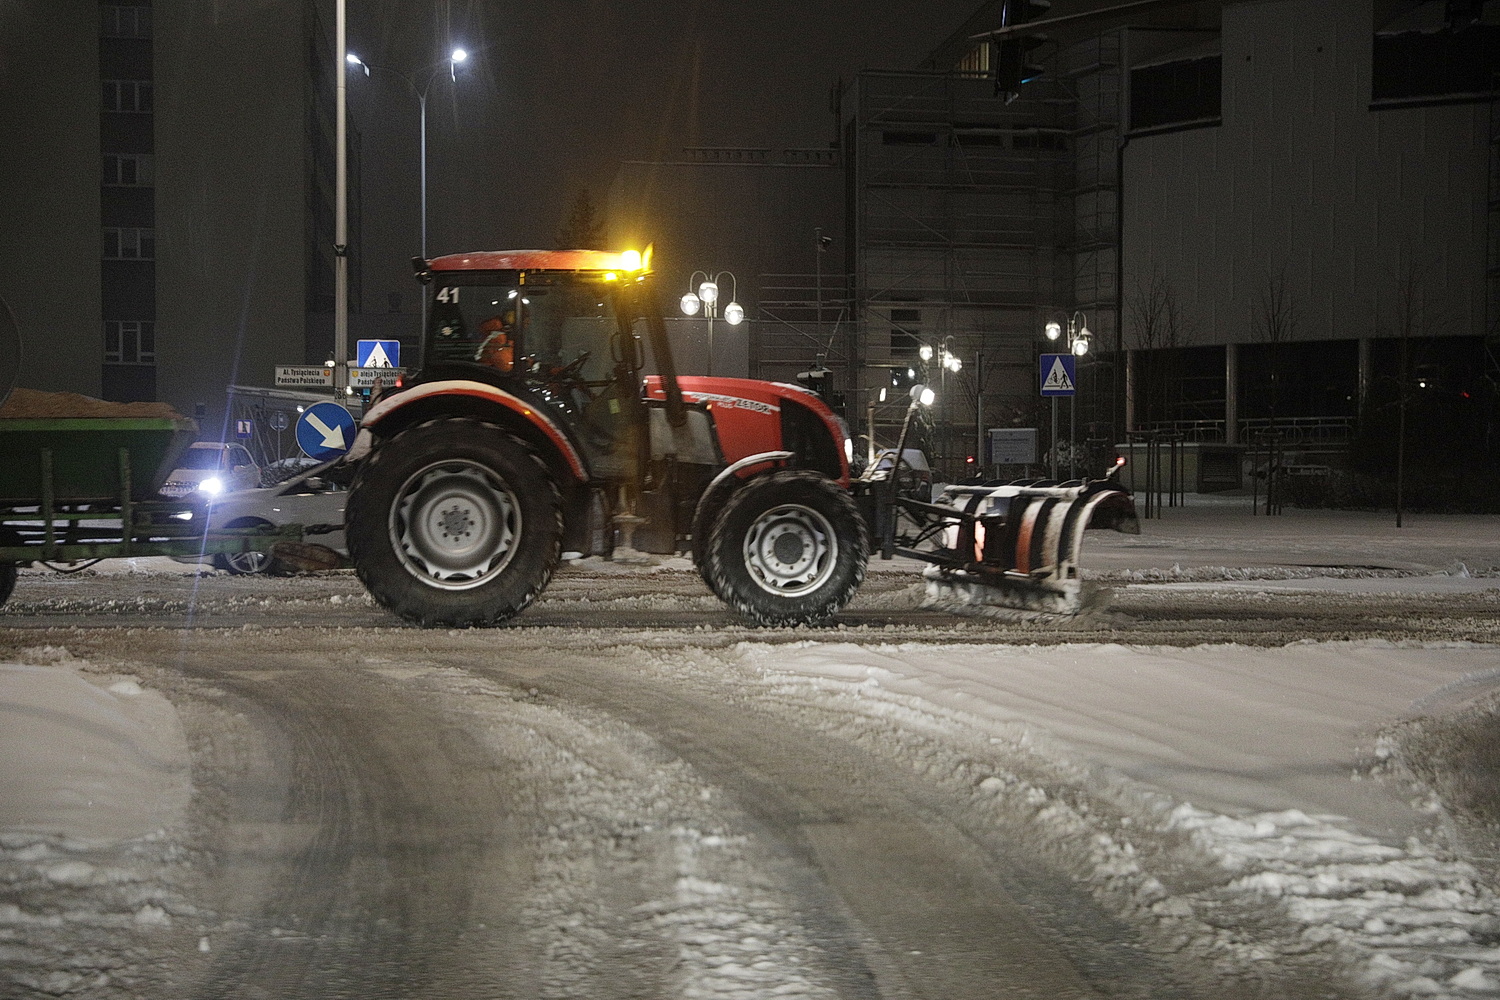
column 1275, row 324
column 1157, row 325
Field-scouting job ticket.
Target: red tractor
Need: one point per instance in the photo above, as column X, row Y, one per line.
column 533, row 429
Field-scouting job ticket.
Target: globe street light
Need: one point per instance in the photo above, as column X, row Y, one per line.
column 948, row 361
column 707, row 299
column 1079, row 337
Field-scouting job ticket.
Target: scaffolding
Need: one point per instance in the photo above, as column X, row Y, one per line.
column 971, row 221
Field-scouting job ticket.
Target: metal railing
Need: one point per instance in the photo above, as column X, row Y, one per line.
column 1294, row 431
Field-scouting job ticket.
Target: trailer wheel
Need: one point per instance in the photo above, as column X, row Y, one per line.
column 454, row 522
column 789, row 548
column 247, row 563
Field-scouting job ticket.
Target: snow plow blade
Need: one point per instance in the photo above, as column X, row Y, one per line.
column 1020, row 544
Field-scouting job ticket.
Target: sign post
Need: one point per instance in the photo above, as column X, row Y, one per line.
column 1059, row 378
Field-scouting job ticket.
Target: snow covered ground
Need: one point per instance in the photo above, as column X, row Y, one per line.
column 1281, row 764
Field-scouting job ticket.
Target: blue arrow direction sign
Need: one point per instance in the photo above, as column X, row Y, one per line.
column 378, row 353
column 1059, row 374
column 325, row 430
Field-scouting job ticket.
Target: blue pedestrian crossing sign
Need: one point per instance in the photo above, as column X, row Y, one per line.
column 1059, row 374
column 325, row 431
column 378, row 353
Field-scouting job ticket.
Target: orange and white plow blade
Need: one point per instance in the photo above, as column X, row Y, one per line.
column 1044, row 594
column 1027, row 558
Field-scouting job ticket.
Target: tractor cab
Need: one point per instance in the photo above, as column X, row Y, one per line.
column 565, row 329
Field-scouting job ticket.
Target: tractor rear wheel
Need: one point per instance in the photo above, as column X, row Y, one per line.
column 789, row 548
column 454, row 522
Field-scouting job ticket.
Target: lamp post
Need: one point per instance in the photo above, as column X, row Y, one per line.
column 947, row 361
column 707, row 299
column 1078, row 345
column 451, row 64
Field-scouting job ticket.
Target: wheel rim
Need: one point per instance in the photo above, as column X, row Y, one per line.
column 248, row 563
column 455, row 525
column 791, row 550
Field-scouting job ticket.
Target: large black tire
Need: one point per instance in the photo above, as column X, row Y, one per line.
column 788, row 548
column 248, row 563
column 710, row 506
column 7, row 569
column 454, row 522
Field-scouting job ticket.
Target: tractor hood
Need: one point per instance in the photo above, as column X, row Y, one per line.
column 753, row 417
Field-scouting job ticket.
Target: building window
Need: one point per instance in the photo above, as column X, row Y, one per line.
column 909, row 138
column 1434, row 64
column 124, row 21
column 129, row 342
column 1187, row 91
column 1040, row 140
column 976, row 62
column 130, row 170
column 129, row 244
column 134, row 96
column 905, row 344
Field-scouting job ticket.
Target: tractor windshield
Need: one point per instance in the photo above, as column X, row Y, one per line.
column 530, row 324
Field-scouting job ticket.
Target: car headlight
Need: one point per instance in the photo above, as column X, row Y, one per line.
column 211, row 486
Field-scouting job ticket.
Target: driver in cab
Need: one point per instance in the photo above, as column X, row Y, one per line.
column 497, row 348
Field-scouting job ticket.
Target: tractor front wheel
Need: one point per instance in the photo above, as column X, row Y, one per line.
column 454, row 522
column 789, row 548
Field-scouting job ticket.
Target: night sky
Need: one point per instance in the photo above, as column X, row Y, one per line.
column 560, row 92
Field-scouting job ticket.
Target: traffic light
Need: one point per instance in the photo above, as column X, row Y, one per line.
column 1012, row 51
column 1011, row 67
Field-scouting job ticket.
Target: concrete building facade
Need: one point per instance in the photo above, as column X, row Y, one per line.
column 169, row 171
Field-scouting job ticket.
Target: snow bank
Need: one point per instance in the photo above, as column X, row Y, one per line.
column 1279, row 743
column 87, row 763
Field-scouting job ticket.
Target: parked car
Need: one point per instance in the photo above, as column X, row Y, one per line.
column 313, row 497
column 212, row 468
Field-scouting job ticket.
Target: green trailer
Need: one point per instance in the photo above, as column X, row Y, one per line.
column 75, row 489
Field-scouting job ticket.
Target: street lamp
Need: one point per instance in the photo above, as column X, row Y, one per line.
column 948, row 361
column 707, row 299
column 1079, row 337
column 451, row 64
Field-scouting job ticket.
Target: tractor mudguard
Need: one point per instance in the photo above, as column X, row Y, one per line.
column 394, row 405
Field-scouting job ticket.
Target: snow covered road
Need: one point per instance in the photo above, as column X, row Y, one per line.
column 630, row 794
